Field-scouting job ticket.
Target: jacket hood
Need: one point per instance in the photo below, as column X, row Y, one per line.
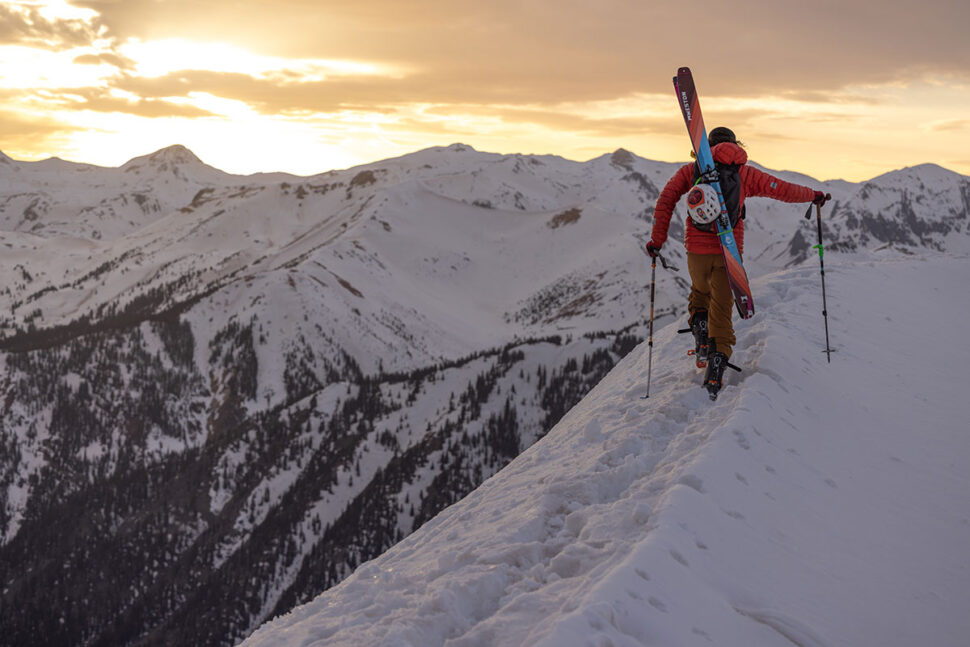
column 729, row 153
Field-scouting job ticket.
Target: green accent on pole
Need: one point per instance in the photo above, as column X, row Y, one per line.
column 819, row 248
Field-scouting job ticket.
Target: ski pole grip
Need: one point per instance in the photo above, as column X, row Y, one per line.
column 808, row 214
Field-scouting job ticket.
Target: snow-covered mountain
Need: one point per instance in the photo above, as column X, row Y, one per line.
column 813, row 504
column 221, row 393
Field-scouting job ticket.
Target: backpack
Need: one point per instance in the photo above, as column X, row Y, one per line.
column 730, row 179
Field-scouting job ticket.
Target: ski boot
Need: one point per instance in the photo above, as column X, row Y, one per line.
column 717, row 363
column 698, row 326
column 714, row 376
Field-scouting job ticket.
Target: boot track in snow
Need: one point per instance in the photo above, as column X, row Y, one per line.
column 811, row 504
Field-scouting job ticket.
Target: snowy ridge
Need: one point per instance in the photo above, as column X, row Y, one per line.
column 388, row 250
column 398, row 245
column 812, row 504
column 248, row 386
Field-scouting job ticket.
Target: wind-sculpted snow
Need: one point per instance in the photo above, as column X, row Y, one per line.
column 813, row 504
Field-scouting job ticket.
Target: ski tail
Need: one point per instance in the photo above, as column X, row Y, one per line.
column 738, row 279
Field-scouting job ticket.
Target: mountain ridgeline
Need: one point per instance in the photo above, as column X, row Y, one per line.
column 221, row 394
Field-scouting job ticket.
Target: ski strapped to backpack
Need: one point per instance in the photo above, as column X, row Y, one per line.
column 728, row 177
column 691, row 109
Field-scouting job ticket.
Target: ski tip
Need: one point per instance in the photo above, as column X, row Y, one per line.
column 683, row 70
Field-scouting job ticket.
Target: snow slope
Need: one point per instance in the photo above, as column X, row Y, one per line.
column 261, row 304
column 813, row 504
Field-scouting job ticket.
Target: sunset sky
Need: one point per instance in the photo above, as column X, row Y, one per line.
column 832, row 88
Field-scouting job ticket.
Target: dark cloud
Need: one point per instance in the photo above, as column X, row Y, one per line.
column 108, row 58
column 567, row 50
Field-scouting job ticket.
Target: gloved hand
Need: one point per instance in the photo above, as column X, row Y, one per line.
column 653, row 249
column 821, row 198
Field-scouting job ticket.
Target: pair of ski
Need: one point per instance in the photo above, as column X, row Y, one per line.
column 738, row 279
column 691, row 107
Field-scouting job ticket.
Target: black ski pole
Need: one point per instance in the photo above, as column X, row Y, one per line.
column 821, row 262
column 653, row 293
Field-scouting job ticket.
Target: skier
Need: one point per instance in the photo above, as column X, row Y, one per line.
column 711, row 301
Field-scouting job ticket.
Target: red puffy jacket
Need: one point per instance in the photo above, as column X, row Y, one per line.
column 754, row 183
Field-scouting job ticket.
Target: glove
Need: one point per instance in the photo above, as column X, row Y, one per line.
column 821, row 198
column 653, row 249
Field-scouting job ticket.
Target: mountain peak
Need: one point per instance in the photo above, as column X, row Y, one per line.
column 175, row 155
column 622, row 157
column 456, row 147
column 920, row 172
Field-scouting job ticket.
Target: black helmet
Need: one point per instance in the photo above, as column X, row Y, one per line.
column 720, row 135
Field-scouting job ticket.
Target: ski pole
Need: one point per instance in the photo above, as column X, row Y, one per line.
column 821, row 262
column 653, row 293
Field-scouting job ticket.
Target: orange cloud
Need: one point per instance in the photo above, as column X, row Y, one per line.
column 557, row 51
column 949, row 124
column 27, row 137
column 559, row 77
column 107, row 58
column 27, row 24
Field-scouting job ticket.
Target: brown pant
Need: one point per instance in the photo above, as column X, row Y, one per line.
column 711, row 291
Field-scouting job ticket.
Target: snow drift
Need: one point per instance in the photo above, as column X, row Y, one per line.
column 812, row 504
